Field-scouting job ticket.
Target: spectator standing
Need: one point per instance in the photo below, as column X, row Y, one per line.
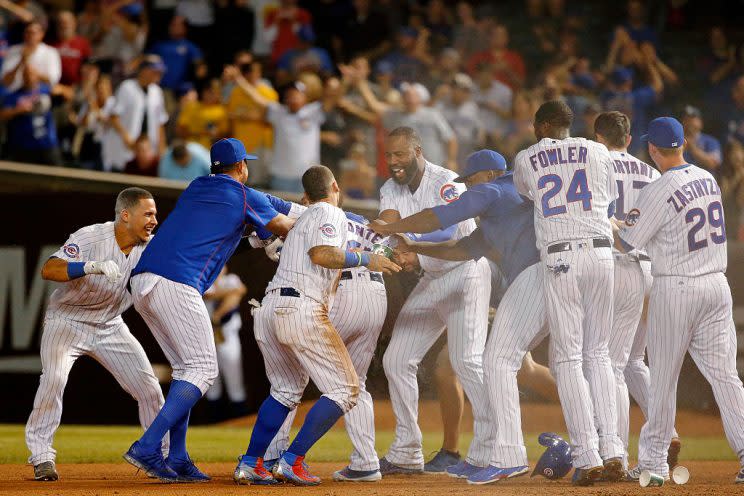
column 122, row 38
column 92, row 119
column 31, row 134
column 409, row 59
column 735, row 117
column 366, row 33
column 205, row 121
column 732, row 188
column 333, row 132
column 437, row 137
column 184, row 162
column 199, row 15
column 494, row 100
column 17, row 14
column 182, row 58
column 139, row 108
column 701, row 149
column 461, row 113
column 508, row 65
column 357, row 175
column 73, row 49
column 296, row 131
column 34, row 54
column 282, row 25
column 633, row 102
column 637, row 25
column 445, row 69
column 520, row 132
column 305, row 57
column 145, row 160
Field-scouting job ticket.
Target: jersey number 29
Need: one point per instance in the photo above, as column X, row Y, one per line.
column 578, row 191
column 696, row 217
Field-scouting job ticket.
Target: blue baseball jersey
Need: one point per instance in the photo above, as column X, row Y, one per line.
column 203, row 230
column 506, row 223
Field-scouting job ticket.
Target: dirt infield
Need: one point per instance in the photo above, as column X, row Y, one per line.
column 709, row 478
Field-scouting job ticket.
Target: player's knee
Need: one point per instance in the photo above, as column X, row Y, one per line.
column 394, row 364
column 210, row 374
column 149, row 394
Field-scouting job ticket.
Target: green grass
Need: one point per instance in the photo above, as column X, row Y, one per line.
column 90, row 444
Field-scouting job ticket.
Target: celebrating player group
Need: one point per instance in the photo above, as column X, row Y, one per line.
column 584, row 236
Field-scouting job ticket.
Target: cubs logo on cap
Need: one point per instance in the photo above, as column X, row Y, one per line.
column 449, row 193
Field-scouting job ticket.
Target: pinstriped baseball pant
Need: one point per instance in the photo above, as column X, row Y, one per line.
column 179, row 321
column 520, row 325
column 298, row 343
column 113, row 346
column 690, row 314
column 458, row 301
column 358, row 313
column 579, row 304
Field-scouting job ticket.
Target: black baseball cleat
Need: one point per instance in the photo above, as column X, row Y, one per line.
column 45, row 471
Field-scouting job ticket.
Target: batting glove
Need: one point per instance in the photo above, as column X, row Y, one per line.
column 273, row 249
column 108, row 268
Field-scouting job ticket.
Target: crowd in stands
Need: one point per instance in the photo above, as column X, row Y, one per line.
column 145, row 87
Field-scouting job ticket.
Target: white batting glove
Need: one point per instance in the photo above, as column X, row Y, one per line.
column 108, row 268
column 257, row 242
column 273, row 249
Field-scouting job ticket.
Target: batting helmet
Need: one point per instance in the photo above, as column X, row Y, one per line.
column 555, row 462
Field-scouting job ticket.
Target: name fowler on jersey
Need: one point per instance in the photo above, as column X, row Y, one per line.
column 633, row 167
column 554, row 156
column 694, row 189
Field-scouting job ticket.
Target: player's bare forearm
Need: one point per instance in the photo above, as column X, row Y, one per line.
column 280, row 225
column 55, row 269
column 388, row 216
column 422, row 222
column 331, row 257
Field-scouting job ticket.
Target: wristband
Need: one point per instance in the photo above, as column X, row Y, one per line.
column 351, row 259
column 75, row 270
column 364, row 258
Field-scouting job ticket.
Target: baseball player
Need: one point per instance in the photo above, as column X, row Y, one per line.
column 298, row 340
column 84, row 318
column 167, row 284
column 572, row 184
column 223, row 302
column 507, row 236
column 679, row 219
column 450, row 294
column 358, row 312
column 632, row 279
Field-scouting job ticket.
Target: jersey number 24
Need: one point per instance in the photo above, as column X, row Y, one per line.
column 578, row 191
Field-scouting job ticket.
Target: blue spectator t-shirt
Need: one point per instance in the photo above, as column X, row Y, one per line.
column 34, row 130
column 708, row 144
column 201, row 233
column 178, row 57
column 635, row 105
column 506, row 223
column 198, row 165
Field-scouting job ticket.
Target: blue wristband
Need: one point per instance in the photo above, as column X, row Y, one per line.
column 75, row 270
column 351, row 259
column 364, row 258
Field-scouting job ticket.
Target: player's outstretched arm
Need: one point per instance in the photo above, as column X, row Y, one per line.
column 280, row 225
column 422, row 222
column 331, row 257
column 58, row 270
column 447, row 250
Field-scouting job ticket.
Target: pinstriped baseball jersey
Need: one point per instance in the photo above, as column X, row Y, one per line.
column 321, row 224
column 93, row 298
column 438, row 187
column 572, row 184
column 685, row 199
column 358, row 235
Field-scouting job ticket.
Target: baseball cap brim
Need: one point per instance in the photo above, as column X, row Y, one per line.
column 250, row 157
column 644, row 138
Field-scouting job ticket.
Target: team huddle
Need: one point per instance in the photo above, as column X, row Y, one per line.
column 585, row 238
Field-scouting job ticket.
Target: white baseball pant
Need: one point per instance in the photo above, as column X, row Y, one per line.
column 230, row 361
column 113, row 346
column 690, row 314
column 458, row 301
column 179, row 321
column 579, row 307
column 298, row 343
column 520, row 325
column 358, row 312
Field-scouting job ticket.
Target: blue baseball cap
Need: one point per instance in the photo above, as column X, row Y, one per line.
column 482, row 160
column 228, row 151
column 621, row 75
column 665, row 132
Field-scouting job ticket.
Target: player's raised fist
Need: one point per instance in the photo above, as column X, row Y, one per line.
column 108, row 268
column 379, row 263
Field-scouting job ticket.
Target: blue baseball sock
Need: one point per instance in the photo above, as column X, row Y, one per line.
column 182, row 396
column 321, row 417
column 177, row 434
column 271, row 416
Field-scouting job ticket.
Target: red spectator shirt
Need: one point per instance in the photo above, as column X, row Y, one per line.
column 512, row 58
column 286, row 36
column 73, row 53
